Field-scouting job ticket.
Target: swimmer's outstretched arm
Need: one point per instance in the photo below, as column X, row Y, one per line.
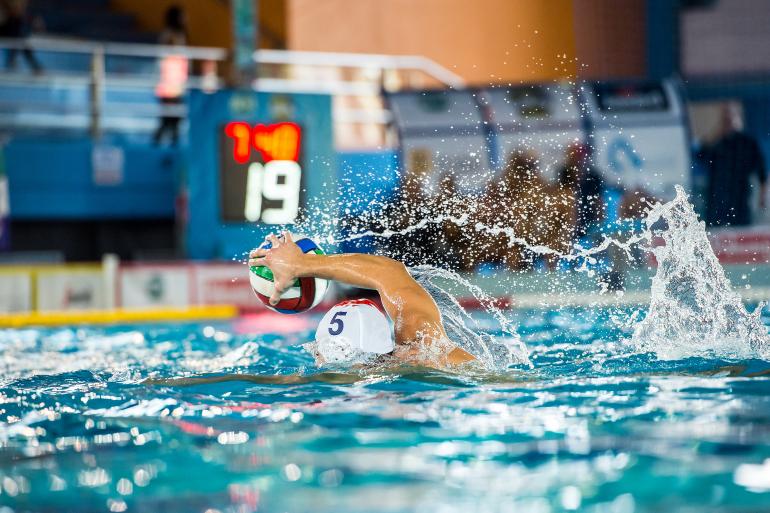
column 414, row 313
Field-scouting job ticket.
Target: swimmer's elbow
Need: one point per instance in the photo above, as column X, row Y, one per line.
column 400, row 269
column 393, row 274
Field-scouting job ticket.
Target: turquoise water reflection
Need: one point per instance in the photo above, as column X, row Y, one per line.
column 593, row 427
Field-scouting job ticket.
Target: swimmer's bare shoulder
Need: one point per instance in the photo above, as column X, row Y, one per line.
column 416, row 317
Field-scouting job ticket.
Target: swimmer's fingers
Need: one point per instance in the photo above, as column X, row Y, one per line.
column 258, row 253
column 256, row 262
column 287, row 236
column 275, row 241
column 279, row 288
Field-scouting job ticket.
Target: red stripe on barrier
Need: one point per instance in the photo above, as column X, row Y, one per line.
column 471, row 303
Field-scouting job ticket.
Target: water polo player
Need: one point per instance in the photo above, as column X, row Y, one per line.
column 355, row 328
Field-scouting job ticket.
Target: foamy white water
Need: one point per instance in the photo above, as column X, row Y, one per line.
column 494, row 353
column 694, row 309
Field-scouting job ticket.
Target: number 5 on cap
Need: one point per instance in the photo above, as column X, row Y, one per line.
column 336, row 325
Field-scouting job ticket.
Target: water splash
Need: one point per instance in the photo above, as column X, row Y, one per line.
column 693, row 309
column 455, row 212
column 493, row 352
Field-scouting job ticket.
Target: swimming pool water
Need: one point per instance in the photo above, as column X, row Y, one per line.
column 594, row 426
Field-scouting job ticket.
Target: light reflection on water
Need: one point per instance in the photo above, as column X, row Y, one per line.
column 594, row 426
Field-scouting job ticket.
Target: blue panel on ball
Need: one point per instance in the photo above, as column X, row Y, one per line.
column 306, row 245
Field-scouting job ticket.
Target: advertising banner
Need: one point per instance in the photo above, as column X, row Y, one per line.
column 185, row 284
column 443, row 134
column 543, row 120
column 640, row 136
column 15, row 290
column 70, row 288
column 741, row 245
column 224, row 284
column 143, row 286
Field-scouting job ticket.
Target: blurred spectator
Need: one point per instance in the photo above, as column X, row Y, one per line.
column 449, row 246
column 17, row 24
column 732, row 161
column 520, row 211
column 173, row 74
column 634, row 203
column 413, row 242
column 417, row 227
column 586, row 185
column 633, row 207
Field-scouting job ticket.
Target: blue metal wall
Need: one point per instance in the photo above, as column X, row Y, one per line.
column 54, row 180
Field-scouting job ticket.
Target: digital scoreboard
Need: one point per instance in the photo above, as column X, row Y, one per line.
column 255, row 160
column 261, row 178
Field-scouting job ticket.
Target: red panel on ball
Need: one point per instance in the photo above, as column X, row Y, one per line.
column 283, row 304
column 306, row 294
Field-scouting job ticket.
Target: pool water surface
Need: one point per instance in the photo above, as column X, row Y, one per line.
column 209, row 417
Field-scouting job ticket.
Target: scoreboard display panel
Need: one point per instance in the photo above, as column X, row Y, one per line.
column 255, row 162
column 261, row 174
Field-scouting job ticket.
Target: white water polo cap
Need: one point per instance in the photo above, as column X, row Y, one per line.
column 353, row 330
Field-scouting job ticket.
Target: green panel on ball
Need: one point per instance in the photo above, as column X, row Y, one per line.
column 266, row 274
column 262, row 271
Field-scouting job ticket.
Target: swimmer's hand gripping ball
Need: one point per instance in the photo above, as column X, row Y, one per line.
column 303, row 295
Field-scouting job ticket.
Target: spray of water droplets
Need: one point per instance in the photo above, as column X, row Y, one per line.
column 693, row 309
column 494, row 353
